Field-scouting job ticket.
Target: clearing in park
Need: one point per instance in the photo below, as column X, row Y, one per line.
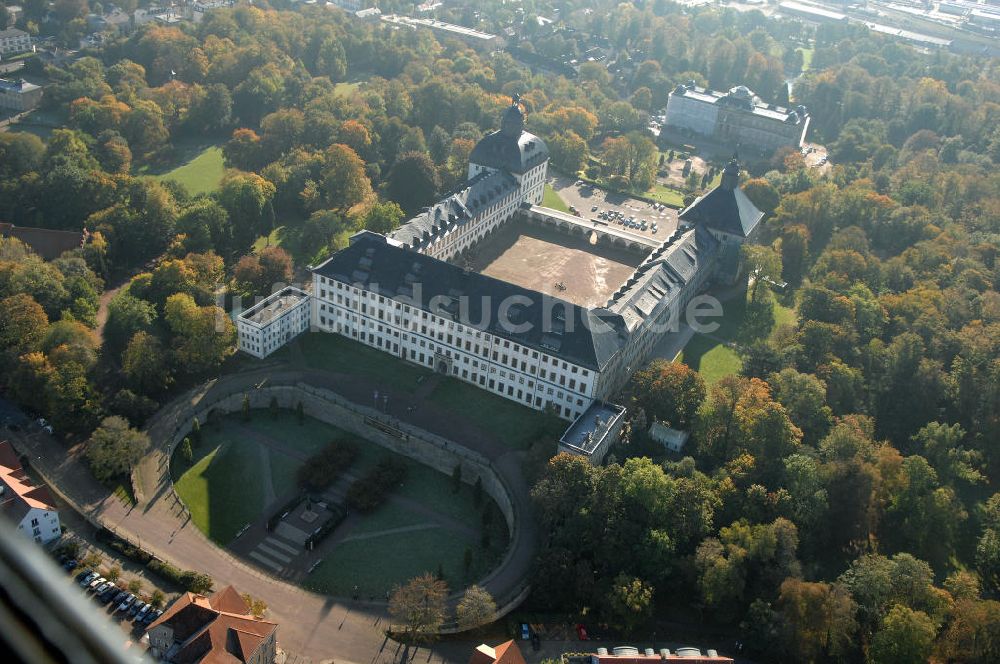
column 244, row 471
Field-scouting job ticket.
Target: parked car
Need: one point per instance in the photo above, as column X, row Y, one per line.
column 85, row 577
column 151, row 616
column 141, row 613
column 119, row 597
column 126, row 603
column 101, row 589
column 109, row 594
column 71, row 564
column 96, row 582
column 135, row 608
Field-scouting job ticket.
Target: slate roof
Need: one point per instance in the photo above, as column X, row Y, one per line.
column 664, row 274
column 506, row 153
column 461, row 206
column 726, row 208
column 586, row 337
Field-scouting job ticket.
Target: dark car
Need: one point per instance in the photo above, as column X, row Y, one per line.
column 108, row 594
column 119, row 597
column 151, row 616
column 70, row 564
column 135, row 608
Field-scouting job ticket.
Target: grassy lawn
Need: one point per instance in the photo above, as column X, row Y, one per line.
column 666, row 195
column 272, row 240
column 713, row 358
column 332, row 352
column 346, row 89
column 807, row 58
column 201, row 174
column 378, row 564
column 223, row 488
column 521, row 425
column 551, row 199
column 710, row 358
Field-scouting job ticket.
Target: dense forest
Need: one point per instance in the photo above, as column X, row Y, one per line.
column 840, row 498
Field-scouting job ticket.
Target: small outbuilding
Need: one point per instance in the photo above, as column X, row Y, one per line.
column 672, row 439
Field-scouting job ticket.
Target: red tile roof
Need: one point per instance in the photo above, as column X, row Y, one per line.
column 214, row 630
column 505, row 653
column 20, row 495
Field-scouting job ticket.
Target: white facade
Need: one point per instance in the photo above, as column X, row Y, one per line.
column 737, row 118
column 273, row 322
column 13, row 41
column 40, row 525
column 528, row 376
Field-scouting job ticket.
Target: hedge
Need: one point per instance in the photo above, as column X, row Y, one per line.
column 322, row 468
column 195, row 582
column 370, row 491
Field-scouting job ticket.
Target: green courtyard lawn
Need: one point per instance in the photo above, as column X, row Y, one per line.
column 518, row 425
column 224, row 489
column 552, row 199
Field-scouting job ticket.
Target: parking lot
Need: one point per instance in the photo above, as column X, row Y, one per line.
column 616, row 209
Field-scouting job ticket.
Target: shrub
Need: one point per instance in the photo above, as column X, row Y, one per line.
column 367, row 493
column 322, row 468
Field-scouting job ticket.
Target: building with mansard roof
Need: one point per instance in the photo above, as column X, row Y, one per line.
column 409, row 294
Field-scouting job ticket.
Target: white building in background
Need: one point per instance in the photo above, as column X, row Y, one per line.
column 273, row 322
column 13, row 41
column 29, row 507
column 737, row 118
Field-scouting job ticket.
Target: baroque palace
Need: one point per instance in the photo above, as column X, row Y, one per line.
column 405, row 293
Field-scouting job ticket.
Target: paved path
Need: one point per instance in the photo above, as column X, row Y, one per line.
column 315, row 626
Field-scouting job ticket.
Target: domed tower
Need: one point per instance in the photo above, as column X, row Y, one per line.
column 512, row 120
column 513, row 151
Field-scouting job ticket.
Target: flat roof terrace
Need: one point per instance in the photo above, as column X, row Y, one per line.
column 274, row 306
column 555, row 262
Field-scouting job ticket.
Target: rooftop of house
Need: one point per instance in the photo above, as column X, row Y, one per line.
column 632, row 655
column 213, row 630
column 20, row 85
column 590, row 428
column 274, row 306
column 45, row 242
column 505, row 653
column 586, row 337
column 19, row 495
column 743, row 98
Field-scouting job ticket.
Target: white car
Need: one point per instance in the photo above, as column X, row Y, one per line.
column 96, row 582
column 142, row 612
